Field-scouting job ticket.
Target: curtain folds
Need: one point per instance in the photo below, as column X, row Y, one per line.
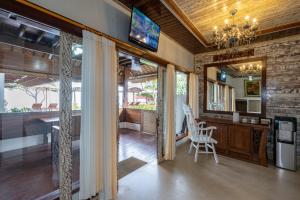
column 194, row 94
column 98, row 156
column 169, row 127
column 226, row 98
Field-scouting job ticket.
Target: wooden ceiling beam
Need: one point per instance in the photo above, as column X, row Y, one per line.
column 185, row 20
column 22, row 30
column 40, row 37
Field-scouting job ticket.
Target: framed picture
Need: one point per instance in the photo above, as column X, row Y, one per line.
column 265, row 121
column 252, row 88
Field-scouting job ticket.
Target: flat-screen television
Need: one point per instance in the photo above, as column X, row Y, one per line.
column 143, row 31
column 221, row 76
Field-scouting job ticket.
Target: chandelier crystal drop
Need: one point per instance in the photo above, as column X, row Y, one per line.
column 232, row 36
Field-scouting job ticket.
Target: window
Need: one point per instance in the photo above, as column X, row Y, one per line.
column 181, row 98
column 29, row 108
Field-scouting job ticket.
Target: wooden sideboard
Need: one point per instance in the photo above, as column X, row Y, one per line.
column 243, row 141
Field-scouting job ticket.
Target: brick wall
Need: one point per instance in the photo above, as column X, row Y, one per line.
column 283, row 79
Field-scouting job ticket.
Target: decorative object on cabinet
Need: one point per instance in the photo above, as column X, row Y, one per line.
column 265, row 121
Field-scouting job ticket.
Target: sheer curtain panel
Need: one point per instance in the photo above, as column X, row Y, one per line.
column 169, row 128
column 98, row 156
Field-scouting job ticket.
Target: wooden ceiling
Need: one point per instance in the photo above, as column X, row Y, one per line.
column 143, row 70
column 190, row 22
column 272, row 15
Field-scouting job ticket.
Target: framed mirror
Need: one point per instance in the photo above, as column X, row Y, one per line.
column 236, row 86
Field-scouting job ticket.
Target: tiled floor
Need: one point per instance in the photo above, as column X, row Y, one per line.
column 231, row 179
column 140, row 145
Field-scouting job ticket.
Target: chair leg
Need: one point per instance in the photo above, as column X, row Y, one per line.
column 196, row 153
column 215, row 154
column 206, row 148
column 191, row 147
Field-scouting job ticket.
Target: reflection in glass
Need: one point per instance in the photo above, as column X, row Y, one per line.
column 235, row 87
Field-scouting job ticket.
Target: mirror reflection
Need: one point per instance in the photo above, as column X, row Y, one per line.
column 235, row 87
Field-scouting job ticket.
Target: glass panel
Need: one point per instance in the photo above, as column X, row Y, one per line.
column 137, row 95
column 76, row 111
column 29, row 103
column 181, row 98
column 235, row 87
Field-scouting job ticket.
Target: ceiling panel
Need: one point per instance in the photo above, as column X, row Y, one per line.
column 272, row 15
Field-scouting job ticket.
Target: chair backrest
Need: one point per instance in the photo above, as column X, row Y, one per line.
column 37, row 106
column 191, row 123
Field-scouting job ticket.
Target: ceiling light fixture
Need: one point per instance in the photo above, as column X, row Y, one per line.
column 232, row 36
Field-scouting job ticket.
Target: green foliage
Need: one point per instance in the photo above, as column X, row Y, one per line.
column 76, row 106
column 144, row 107
column 181, row 84
column 147, row 95
column 24, row 109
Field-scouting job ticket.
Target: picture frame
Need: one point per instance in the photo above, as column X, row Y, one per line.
column 252, row 88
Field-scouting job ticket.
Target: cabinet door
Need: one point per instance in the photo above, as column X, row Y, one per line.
column 239, row 139
column 221, row 136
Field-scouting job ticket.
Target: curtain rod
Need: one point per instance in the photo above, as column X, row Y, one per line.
column 119, row 44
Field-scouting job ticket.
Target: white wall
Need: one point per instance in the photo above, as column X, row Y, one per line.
column 110, row 18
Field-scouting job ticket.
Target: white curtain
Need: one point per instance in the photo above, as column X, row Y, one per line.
column 233, row 99
column 98, row 156
column 226, row 98
column 169, row 125
column 194, row 94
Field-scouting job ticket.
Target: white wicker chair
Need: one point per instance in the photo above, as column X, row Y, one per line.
column 200, row 137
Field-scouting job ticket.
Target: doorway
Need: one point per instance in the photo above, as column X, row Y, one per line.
column 137, row 103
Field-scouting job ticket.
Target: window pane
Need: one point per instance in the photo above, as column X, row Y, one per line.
column 76, row 107
column 29, row 104
column 181, row 98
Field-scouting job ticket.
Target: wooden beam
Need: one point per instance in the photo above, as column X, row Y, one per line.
column 22, row 30
column 170, row 4
column 40, row 37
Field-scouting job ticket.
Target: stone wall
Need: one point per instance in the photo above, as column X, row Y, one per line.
column 283, row 79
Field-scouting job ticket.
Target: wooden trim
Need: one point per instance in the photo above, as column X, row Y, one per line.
column 183, row 18
column 50, row 18
column 263, row 86
column 278, row 28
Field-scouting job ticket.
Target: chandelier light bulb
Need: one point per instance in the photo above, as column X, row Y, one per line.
column 215, row 27
column 254, row 20
column 247, row 17
column 226, row 21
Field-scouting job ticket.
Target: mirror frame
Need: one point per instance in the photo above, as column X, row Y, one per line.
column 263, row 86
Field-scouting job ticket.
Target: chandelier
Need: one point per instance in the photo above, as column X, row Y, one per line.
column 232, row 35
column 251, row 68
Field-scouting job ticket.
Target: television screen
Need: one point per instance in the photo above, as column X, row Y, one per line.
column 221, row 76
column 143, row 31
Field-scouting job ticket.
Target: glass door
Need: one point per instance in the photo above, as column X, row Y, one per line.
column 181, row 98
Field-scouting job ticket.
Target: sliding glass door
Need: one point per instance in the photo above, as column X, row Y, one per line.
column 181, row 98
column 30, row 107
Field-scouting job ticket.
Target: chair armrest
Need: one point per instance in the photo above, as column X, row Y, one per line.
column 208, row 130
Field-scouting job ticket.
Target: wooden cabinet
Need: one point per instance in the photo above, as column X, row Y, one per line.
column 238, row 140
column 221, row 135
